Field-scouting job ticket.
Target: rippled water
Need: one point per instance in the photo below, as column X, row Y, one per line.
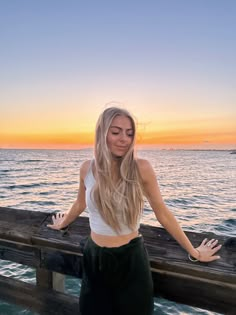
column 198, row 186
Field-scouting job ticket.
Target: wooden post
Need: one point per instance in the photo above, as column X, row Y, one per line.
column 58, row 282
column 50, row 280
column 44, row 278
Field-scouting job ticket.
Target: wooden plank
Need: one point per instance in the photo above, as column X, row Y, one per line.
column 206, row 294
column 166, row 254
column 68, row 240
column 38, row 299
column 19, row 225
column 65, row 263
column 19, row 253
column 47, row 258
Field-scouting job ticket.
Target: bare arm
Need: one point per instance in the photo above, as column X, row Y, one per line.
column 62, row 219
column 167, row 219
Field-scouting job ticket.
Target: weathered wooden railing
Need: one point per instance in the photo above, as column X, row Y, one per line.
column 25, row 239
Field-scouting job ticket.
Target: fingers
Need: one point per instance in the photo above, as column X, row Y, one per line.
column 215, row 249
column 209, row 243
column 212, row 258
column 214, row 243
column 59, row 215
column 52, row 226
column 56, row 220
column 208, row 249
column 204, row 241
column 211, row 246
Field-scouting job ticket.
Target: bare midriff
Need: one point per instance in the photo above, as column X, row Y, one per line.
column 113, row 241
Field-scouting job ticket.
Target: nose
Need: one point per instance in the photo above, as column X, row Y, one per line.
column 123, row 137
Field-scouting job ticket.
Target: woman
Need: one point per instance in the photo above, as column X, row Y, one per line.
column 117, row 278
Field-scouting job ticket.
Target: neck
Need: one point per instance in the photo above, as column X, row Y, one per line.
column 116, row 158
column 115, row 163
column 115, row 168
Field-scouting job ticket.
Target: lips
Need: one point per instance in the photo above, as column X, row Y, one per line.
column 122, row 148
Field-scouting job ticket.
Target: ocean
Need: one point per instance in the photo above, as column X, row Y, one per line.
column 199, row 187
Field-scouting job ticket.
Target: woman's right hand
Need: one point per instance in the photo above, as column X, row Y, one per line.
column 57, row 221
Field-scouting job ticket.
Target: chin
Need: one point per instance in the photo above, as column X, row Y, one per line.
column 117, row 156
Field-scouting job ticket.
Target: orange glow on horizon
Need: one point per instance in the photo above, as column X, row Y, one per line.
column 86, row 139
column 185, row 137
column 47, row 140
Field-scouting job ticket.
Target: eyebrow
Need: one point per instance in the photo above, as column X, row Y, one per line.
column 120, row 128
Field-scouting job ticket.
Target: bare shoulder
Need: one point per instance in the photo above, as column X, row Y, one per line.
column 143, row 165
column 84, row 168
column 145, row 168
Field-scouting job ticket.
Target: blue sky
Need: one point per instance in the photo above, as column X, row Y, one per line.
column 169, row 62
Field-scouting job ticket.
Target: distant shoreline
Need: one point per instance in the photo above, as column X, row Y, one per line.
column 139, row 149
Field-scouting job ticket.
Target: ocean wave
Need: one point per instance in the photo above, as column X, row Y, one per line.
column 64, row 183
column 230, row 222
column 20, row 186
column 11, row 170
column 31, row 161
column 42, row 203
column 5, row 171
column 46, row 193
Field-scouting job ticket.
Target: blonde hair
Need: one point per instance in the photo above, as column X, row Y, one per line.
column 121, row 201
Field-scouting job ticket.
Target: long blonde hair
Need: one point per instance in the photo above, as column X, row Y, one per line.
column 121, row 201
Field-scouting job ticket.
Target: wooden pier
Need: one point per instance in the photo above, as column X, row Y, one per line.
column 25, row 239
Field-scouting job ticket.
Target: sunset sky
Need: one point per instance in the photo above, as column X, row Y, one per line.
column 170, row 62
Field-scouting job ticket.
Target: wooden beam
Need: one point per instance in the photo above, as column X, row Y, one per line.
column 25, row 254
column 207, row 294
column 38, row 299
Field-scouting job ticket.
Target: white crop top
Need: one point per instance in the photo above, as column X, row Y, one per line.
column 96, row 222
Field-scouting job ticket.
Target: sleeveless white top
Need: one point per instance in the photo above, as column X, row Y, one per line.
column 97, row 224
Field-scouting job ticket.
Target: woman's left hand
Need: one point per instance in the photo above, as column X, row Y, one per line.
column 208, row 249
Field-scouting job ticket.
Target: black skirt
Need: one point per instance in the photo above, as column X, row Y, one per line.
column 117, row 280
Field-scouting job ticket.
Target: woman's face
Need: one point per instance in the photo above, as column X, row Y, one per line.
column 120, row 136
